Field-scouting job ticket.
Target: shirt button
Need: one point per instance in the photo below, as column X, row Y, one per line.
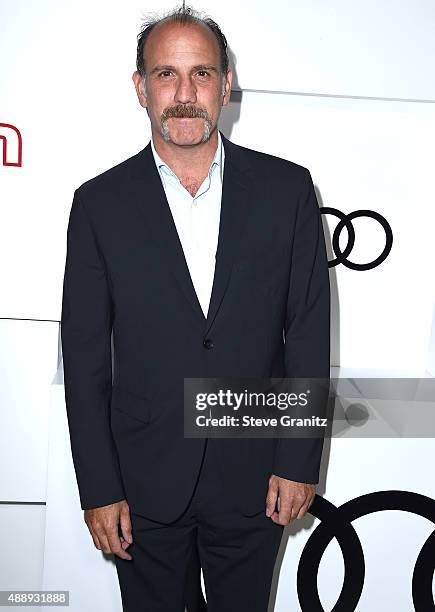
column 208, row 343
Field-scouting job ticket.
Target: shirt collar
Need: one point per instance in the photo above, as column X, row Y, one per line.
column 218, row 160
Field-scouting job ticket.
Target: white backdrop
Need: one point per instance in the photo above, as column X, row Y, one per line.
column 343, row 88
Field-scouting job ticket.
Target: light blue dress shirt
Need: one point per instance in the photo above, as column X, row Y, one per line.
column 196, row 220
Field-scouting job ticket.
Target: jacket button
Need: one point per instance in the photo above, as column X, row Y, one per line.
column 208, row 343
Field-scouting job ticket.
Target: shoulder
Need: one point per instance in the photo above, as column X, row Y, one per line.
column 108, row 180
column 271, row 166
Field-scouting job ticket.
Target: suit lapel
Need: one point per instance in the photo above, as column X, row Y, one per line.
column 235, row 204
column 148, row 189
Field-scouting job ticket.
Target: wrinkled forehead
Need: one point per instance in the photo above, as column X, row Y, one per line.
column 181, row 44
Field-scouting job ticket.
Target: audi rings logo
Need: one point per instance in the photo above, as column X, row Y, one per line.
column 346, row 221
column 337, row 522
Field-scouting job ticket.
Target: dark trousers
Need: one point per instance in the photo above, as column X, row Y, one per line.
column 237, row 554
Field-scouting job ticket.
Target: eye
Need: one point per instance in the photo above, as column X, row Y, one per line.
column 164, row 73
column 203, row 72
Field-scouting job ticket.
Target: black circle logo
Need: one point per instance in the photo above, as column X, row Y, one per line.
column 337, row 522
column 346, row 221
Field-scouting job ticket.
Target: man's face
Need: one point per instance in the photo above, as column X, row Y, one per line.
column 185, row 89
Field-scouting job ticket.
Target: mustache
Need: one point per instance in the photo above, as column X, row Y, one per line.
column 183, row 110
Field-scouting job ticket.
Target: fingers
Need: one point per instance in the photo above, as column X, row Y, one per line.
column 103, row 526
column 293, row 500
column 125, row 524
column 285, row 509
column 106, row 538
column 302, row 511
column 304, row 508
column 124, row 543
column 95, row 538
column 272, row 495
column 115, row 544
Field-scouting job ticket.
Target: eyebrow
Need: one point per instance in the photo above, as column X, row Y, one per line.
column 197, row 67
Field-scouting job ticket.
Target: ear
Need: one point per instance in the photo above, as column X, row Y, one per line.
column 138, row 84
column 227, row 89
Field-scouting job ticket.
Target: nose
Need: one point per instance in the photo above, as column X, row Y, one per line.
column 186, row 91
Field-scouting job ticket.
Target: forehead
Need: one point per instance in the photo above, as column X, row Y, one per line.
column 175, row 42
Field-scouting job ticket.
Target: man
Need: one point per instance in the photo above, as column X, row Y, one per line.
column 206, row 259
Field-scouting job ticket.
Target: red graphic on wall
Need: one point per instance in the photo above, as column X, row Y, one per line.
column 9, row 133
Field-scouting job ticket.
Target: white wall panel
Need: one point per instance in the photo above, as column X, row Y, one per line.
column 28, row 362
column 71, row 561
column 375, row 48
column 22, row 529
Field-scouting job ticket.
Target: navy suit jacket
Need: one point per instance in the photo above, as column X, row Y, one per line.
column 269, row 316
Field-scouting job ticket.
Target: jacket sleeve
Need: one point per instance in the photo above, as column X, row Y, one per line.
column 306, row 331
column 86, row 325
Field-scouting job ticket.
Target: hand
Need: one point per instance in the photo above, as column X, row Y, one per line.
column 103, row 522
column 294, row 499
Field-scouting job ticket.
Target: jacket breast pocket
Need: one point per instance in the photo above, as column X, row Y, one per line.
column 131, row 405
column 261, row 271
column 261, row 257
